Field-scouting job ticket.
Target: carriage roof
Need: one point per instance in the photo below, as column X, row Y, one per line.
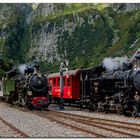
column 71, row 72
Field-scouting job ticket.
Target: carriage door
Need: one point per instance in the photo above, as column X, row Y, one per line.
column 82, row 85
column 85, row 85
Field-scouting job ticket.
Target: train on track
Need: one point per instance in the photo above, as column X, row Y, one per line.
column 28, row 89
column 114, row 89
column 100, row 89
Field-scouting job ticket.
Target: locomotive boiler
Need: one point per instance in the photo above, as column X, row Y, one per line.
column 117, row 91
column 29, row 89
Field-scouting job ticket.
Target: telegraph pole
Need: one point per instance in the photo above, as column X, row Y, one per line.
column 63, row 67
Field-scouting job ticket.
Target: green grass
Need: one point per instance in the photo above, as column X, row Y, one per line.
column 124, row 23
column 8, row 22
column 75, row 9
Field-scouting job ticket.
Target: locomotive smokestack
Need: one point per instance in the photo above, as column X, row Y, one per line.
column 36, row 69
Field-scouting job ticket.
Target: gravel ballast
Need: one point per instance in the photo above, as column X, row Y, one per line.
column 33, row 125
column 5, row 131
column 107, row 116
column 36, row 126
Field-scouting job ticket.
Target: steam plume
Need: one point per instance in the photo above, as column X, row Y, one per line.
column 112, row 64
column 22, row 68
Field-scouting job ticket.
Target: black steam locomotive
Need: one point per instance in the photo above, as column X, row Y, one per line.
column 117, row 91
column 29, row 89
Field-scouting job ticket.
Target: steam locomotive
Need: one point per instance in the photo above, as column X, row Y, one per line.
column 99, row 89
column 29, row 89
column 117, row 91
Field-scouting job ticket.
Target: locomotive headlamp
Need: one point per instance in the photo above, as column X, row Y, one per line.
column 136, row 96
column 29, row 93
column 96, row 89
column 39, row 74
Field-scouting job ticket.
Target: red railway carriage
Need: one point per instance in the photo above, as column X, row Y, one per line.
column 71, row 83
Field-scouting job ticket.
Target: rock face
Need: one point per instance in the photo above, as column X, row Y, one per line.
column 82, row 33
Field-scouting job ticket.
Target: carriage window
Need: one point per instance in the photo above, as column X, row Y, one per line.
column 69, row 81
column 54, row 82
column 58, row 81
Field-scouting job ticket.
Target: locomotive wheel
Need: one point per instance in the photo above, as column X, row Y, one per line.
column 101, row 107
column 134, row 111
column 29, row 105
column 92, row 107
column 70, row 103
column 119, row 111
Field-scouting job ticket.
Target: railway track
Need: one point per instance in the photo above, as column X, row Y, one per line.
column 16, row 130
column 54, row 118
column 117, row 127
column 106, row 121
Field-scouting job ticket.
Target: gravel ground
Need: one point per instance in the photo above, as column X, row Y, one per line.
column 101, row 131
column 5, row 131
column 33, row 125
column 36, row 126
column 105, row 116
column 108, row 117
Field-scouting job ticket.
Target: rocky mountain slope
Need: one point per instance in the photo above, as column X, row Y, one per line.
column 82, row 33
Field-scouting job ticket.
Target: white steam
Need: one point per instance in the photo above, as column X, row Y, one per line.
column 112, row 64
column 22, row 68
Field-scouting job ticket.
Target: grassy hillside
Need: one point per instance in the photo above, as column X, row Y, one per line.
column 82, row 33
column 98, row 31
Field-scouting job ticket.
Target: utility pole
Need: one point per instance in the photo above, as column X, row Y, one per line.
column 63, row 67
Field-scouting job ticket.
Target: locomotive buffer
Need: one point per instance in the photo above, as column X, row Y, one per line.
column 63, row 67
